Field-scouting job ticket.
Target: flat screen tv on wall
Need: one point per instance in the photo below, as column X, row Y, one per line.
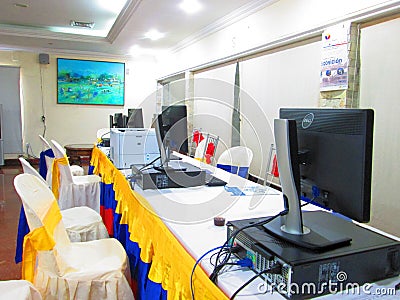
column 90, row 82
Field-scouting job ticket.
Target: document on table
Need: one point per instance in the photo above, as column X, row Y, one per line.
column 251, row 190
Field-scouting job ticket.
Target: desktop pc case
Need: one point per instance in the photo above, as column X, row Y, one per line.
column 132, row 146
column 178, row 175
column 370, row 257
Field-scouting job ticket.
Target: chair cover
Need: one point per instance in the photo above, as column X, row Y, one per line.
column 73, row 191
column 236, row 160
column 58, row 268
column 19, row 290
column 46, row 162
column 82, row 223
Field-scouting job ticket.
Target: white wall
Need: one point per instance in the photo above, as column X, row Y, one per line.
column 73, row 123
column 380, row 90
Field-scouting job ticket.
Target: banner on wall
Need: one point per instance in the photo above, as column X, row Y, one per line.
column 335, row 57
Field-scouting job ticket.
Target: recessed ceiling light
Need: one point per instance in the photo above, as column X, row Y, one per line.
column 190, row 6
column 154, row 35
column 22, row 5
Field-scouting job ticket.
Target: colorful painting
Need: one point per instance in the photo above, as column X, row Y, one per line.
column 90, row 82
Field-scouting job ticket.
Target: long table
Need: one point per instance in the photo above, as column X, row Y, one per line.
column 166, row 231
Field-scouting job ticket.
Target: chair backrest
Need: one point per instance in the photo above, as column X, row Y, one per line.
column 46, row 160
column 65, row 170
column 38, row 200
column 236, row 160
column 28, row 169
column 45, row 143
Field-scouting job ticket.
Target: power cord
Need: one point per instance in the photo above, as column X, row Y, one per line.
column 229, row 242
column 243, row 263
column 150, row 163
column 195, row 265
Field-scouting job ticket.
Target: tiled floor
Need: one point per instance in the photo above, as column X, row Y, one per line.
column 10, row 205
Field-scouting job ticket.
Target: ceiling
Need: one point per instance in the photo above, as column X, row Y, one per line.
column 118, row 31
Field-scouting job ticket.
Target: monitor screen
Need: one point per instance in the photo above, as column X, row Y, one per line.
column 135, row 118
column 174, row 128
column 335, row 156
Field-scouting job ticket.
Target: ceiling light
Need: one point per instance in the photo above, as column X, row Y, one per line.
column 22, row 5
column 190, row 6
column 82, row 24
column 154, row 35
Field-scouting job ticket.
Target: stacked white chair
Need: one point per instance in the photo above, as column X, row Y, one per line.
column 82, row 223
column 75, row 169
column 236, row 160
column 58, row 268
column 19, row 290
column 73, row 191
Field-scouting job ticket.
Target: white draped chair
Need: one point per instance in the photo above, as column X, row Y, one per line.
column 18, row 290
column 236, row 160
column 73, row 191
column 75, row 169
column 82, row 223
column 58, row 268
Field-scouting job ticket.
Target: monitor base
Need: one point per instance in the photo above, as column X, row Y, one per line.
column 320, row 237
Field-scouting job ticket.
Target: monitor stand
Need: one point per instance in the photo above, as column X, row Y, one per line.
column 316, row 235
column 291, row 226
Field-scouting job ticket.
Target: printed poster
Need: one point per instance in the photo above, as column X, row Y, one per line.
column 335, row 61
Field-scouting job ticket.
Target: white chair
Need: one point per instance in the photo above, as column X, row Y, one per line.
column 75, row 170
column 82, row 223
column 236, row 160
column 58, row 268
column 18, row 290
column 73, row 191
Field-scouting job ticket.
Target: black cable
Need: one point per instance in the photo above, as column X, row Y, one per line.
column 212, row 257
column 150, row 163
column 217, row 268
column 274, row 270
column 101, row 137
column 194, row 268
column 42, row 100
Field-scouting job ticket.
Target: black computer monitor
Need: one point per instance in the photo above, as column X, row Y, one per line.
column 328, row 154
column 135, row 118
column 119, row 120
column 174, row 128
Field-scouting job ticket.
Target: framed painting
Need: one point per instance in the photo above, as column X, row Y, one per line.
column 90, row 82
